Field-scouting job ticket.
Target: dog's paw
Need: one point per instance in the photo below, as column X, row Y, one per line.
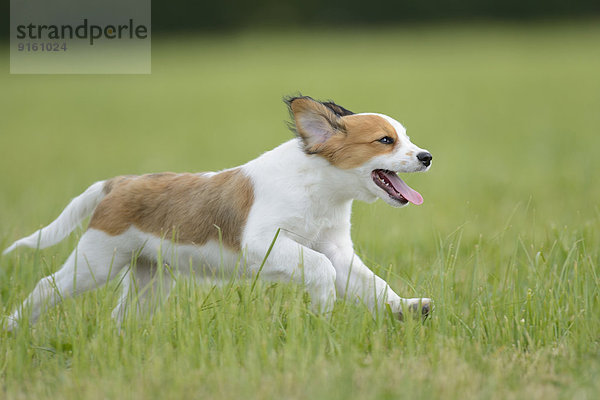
column 422, row 306
column 417, row 307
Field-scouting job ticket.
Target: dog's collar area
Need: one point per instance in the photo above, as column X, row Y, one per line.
column 395, row 187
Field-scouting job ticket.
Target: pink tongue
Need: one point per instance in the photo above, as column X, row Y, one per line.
column 401, row 187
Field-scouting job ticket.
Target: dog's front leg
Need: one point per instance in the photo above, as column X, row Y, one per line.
column 355, row 281
column 291, row 261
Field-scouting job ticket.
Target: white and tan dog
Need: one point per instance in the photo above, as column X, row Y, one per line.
column 303, row 189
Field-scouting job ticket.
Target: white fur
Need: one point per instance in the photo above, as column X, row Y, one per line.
column 75, row 212
column 311, row 201
column 305, row 197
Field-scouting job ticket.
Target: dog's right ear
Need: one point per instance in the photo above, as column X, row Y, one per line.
column 314, row 122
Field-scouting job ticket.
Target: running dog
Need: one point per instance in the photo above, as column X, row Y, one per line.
column 295, row 200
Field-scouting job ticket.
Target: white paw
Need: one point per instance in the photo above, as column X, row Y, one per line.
column 420, row 305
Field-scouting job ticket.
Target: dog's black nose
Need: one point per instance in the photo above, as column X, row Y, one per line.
column 425, row 158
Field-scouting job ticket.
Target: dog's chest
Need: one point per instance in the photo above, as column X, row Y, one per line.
column 313, row 222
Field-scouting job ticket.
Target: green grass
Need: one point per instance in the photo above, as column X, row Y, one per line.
column 507, row 241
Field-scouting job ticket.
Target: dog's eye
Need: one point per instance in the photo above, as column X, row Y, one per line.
column 386, row 140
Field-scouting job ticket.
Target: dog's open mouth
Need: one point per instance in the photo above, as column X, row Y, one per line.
column 395, row 187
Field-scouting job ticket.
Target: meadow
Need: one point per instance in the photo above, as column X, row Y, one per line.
column 507, row 242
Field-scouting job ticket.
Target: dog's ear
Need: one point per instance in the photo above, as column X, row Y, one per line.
column 314, row 122
column 337, row 109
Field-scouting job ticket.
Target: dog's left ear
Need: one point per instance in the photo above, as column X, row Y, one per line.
column 337, row 109
column 315, row 122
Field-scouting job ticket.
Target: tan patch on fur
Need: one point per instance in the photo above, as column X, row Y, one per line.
column 185, row 207
column 345, row 141
column 111, row 183
column 409, row 153
column 360, row 141
column 314, row 123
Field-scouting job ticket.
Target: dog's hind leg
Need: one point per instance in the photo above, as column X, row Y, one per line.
column 97, row 258
column 118, row 313
column 143, row 289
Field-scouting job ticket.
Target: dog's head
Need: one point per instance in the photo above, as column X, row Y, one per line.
column 372, row 146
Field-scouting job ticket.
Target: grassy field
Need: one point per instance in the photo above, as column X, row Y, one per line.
column 507, row 242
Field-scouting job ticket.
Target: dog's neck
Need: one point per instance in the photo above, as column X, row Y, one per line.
column 325, row 183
